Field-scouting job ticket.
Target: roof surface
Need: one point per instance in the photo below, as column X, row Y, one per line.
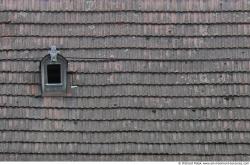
column 171, row 83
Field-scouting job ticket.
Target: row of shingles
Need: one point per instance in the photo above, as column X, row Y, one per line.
column 160, row 79
column 123, row 114
column 132, row 18
column 117, row 30
column 135, row 79
column 123, row 157
column 19, row 78
column 85, row 80
column 127, row 102
column 33, row 125
column 132, row 54
column 133, row 66
column 125, row 137
column 194, row 91
column 30, row 43
column 203, row 149
column 141, row 5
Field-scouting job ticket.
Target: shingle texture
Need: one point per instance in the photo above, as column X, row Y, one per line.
column 163, row 80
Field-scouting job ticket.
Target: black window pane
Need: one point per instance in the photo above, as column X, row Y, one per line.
column 54, row 73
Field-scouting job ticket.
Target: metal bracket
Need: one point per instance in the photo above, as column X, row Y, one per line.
column 53, row 53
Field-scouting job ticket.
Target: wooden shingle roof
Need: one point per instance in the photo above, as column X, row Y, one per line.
column 153, row 80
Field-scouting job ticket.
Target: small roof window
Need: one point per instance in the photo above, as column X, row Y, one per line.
column 54, row 73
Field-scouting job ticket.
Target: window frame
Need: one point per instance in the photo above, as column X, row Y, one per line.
column 53, row 88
